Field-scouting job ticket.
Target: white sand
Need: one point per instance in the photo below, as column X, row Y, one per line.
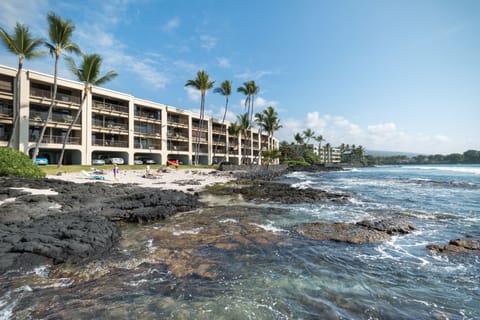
column 172, row 179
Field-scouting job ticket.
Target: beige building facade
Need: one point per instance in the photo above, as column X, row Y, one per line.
column 114, row 124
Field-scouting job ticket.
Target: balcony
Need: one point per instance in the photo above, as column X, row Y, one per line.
column 109, row 143
column 56, row 119
column 99, row 124
column 47, row 94
column 109, row 107
column 177, row 147
column 176, row 121
column 177, row 136
column 148, row 144
column 6, row 112
column 152, row 134
column 148, row 115
column 57, row 140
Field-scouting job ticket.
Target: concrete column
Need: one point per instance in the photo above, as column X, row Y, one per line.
column 164, row 142
column 210, row 141
column 131, row 130
column 22, row 134
column 87, row 128
column 190, row 140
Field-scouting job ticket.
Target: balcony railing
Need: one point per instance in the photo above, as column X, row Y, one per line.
column 148, row 145
column 177, row 121
column 6, row 112
column 109, row 143
column 177, row 136
column 109, row 107
column 57, row 139
column 98, row 124
column 149, row 133
column 55, row 118
column 147, row 115
column 174, row 147
column 61, row 97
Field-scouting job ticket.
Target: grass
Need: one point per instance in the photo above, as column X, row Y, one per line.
column 52, row 168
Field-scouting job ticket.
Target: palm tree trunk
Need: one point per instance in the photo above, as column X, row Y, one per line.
column 50, row 109
column 69, row 130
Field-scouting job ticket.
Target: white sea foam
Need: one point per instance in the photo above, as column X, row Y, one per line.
column 7, row 200
column 466, row 169
column 38, row 191
column 55, row 206
column 228, row 220
column 191, row 231
column 303, row 184
column 149, row 245
column 268, row 227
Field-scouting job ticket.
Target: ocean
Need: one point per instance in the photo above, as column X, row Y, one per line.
column 237, row 260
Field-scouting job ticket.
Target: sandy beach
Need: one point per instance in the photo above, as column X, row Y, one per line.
column 188, row 180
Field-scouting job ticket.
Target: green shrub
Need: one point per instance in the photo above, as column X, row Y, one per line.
column 14, row 163
column 298, row 162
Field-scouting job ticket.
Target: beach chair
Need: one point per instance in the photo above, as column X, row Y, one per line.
column 92, row 176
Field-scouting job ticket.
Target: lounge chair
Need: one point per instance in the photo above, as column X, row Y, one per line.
column 93, row 176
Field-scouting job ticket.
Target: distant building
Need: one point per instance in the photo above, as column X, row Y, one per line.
column 329, row 155
column 114, row 124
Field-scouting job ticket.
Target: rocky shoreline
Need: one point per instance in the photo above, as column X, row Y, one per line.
column 74, row 222
column 77, row 223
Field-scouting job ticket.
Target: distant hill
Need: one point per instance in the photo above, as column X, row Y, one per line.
column 379, row 153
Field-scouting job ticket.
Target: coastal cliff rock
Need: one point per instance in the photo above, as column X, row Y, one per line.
column 74, row 222
column 457, row 246
column 356, row 233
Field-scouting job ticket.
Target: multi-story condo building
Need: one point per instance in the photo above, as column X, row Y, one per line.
column 327, row 154
column 114, row 124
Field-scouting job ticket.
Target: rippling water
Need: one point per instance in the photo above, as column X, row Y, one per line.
column 239, row 261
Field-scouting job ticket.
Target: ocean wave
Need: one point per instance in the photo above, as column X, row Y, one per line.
column 303, row 184
column 463, row 169
column 268, row 227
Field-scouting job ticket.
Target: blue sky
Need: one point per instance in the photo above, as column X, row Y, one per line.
column 387, row 75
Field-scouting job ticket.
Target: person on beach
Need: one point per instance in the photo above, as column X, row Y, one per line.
column 116, row 171
column 148, row 172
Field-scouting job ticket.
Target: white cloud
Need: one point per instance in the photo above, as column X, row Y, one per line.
column 171, row 24
column 193, row 94
column 223, row 62
column 253, row 75
column 28, row 12
column 381, row 136
column 208, row 42
column 187, row 66
column 114, row 51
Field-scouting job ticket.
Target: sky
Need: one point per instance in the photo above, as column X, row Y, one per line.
column 388, row 75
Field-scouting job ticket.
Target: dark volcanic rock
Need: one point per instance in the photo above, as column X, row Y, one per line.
column 457, row 246
column 358, row 233
column 314, row 168
column 278, row 192
column 390, row 226
column 76, row 224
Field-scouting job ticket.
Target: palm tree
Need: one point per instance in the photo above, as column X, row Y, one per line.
column 249, row 89
column 22, row 44
column 203, row 84
column 89, row 74
column 327, row 154
column 308, row 134
column 60, row 33
column 244, row 124
column 233, row 130
column 319, row 139
column 298, row 138
column 225, row 89
column 270, row 121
